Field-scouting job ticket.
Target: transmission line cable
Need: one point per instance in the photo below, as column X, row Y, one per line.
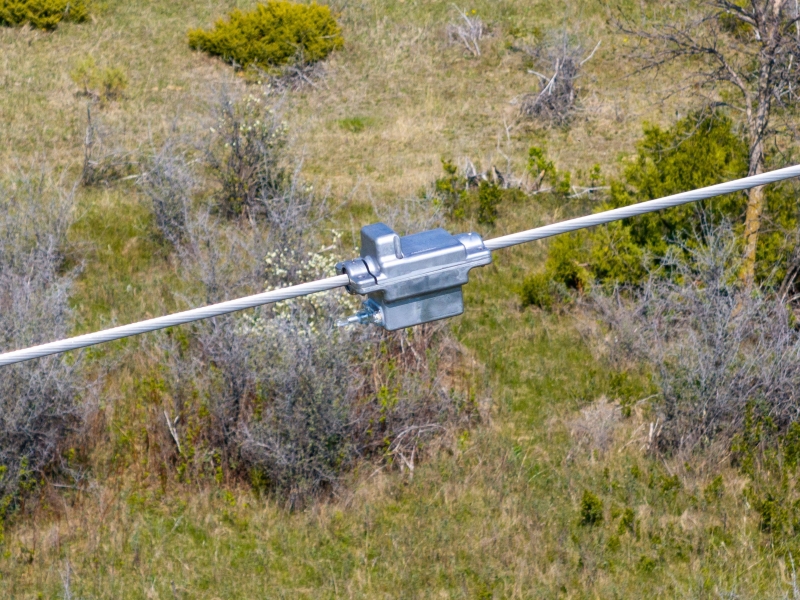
column 196, row 314
column 634, row 210
column 338, row 281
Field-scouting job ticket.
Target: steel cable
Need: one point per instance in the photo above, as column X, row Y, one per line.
column 330, row 283
column 643, row 207
column 196, row 314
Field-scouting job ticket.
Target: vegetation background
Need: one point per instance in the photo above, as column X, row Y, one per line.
column 555, row 493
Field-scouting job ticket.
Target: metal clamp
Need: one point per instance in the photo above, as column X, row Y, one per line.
column 411, row 279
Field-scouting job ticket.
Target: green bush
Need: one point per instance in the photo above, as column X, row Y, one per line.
column 591, row 509
column 696, row 152
column 272, row 35
column 42, row 14
column 563, row 272
column 627, row 524
column 544, row 170
column 451, row 190
column 473, row 195
column 489, row 198
column 714, row 490
column 539, row 290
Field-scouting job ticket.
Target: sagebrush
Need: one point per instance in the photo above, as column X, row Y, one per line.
column 40, row 399
column 280, row 397
column 715, row 347
column 105, row 160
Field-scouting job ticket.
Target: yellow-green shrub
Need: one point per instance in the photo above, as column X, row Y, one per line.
column 274, row 34
column 42, row 14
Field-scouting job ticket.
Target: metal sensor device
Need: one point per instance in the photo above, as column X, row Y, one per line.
column 412, row 279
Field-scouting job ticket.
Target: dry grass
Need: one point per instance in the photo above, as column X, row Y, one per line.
column 423, row 98
column 495, row 514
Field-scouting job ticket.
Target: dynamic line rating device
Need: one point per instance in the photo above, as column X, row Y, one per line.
column 412, row 279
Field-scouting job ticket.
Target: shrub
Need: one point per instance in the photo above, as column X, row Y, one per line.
column 169, row 183
column 474, row 194
column 489, row 198
column 715, row 348
column 591, row 509
column 451, row 190
column 42, row 14
column 39, row 400
column 283, row 398
column 280, row 397
column 272, row 35
column 246, row 152
column 697, row 151
column 538, row 290
column 562, row 273
column 113, row 82
column 627, row 523
column 543, row 170
column 560, row 59
column 468, row 31
column 104, row 161
column 714, row 490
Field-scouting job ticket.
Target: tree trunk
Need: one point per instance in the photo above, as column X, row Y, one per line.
column 769, row 24
column 752, row 223
column 755, row 207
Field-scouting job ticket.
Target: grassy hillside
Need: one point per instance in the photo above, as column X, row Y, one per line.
column 552, row 495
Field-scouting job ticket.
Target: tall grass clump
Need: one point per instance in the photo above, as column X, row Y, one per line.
column 40, row 399
column 272, row 35
column 42, row 14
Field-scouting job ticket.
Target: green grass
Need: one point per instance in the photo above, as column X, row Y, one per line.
column 355, row 124
column 126, row 268
column 496, row 512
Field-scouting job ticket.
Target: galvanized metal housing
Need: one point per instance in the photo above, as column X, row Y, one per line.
column 416, row 278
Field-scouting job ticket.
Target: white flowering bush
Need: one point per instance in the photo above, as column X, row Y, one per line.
column 282, row 397
column 287, row 266
column 245, row 153
column 279, row 395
